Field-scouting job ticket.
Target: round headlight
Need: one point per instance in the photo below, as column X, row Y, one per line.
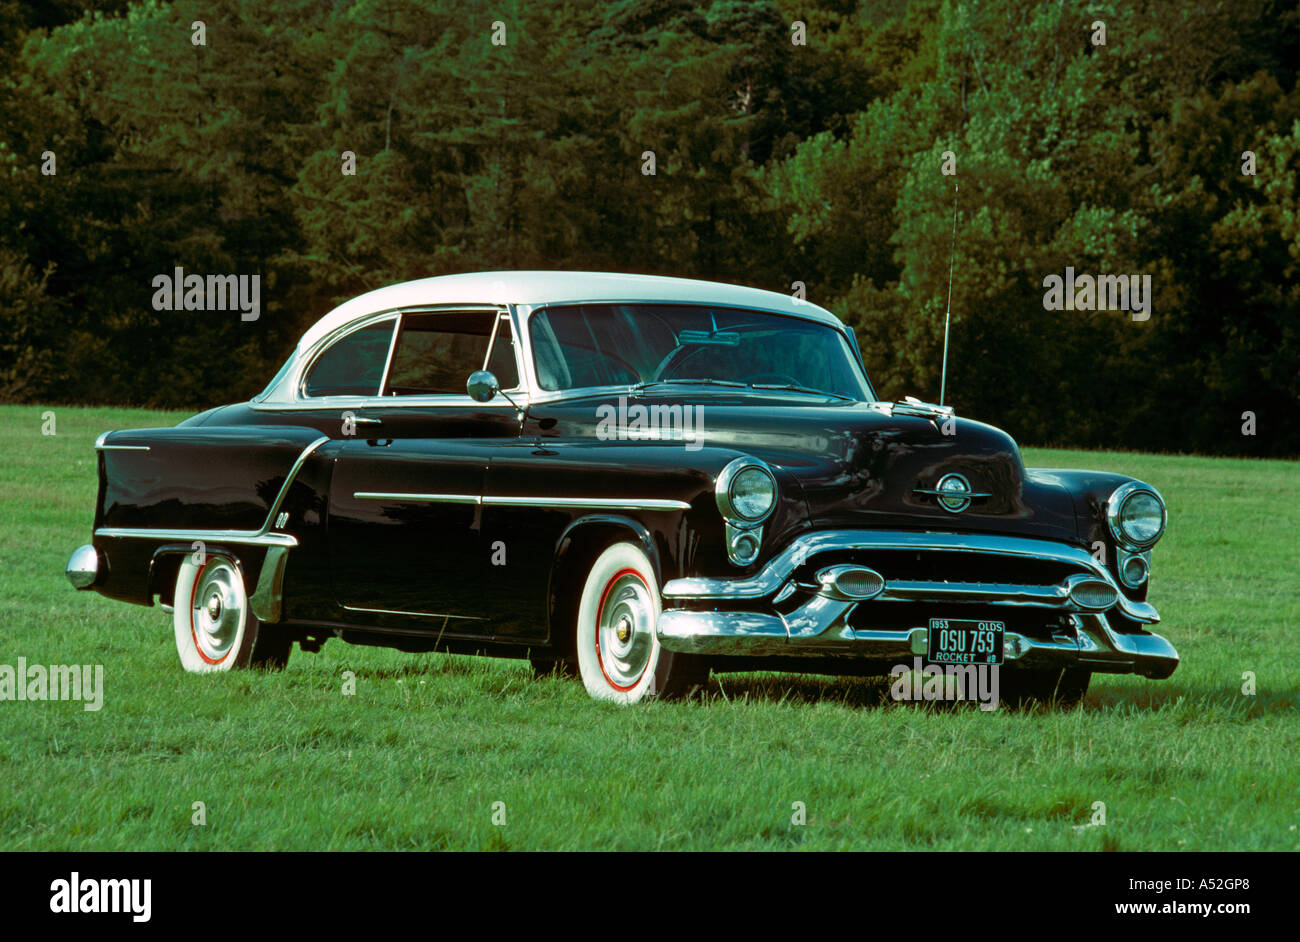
column 1137, row 515
column 752, row 493
column 746, row 491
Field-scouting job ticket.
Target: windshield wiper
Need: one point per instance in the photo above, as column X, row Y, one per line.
column 792, row 387
column 678, row 381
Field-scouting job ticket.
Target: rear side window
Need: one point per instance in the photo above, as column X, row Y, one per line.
column 354, row 365
column 435, row 353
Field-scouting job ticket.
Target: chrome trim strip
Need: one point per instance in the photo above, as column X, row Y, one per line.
column 425, row 498
column 388, row 611
column 779, row 568
column 338, row 403
column 999, row 593
column 99, row 447
column 1043, row 596
column 242, row 537
column 388, row 359
column 605, row 503
column 289, row 479
column 262, row 537
column 492, row 339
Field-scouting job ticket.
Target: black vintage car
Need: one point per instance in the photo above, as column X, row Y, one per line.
column 636, row 479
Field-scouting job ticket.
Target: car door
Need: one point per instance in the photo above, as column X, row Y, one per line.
column 404, row 509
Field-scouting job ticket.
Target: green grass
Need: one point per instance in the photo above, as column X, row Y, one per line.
column 419, row 755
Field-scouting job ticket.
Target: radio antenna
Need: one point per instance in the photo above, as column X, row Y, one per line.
column 947, row 317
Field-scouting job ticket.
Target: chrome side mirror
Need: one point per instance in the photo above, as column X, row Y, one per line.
column 482, row 386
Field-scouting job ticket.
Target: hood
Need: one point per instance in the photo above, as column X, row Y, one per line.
column 878, row 468
column 868, row 464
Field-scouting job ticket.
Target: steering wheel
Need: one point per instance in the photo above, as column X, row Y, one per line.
column 632, row 371
column 776, row 379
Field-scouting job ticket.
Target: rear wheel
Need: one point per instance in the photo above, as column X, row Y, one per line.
column 214, row 626
column 618, row 653
column 1062, row 686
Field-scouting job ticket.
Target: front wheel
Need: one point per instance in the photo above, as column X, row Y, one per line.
column 215, row 628
column 619, row 655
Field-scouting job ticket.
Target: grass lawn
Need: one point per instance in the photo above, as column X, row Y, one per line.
column 429, row 743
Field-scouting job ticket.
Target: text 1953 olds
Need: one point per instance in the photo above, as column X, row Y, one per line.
column 637, row 479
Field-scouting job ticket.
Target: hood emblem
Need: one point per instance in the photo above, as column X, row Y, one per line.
column 953, row 493
column 910, row 405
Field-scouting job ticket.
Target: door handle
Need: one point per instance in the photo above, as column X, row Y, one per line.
column 366, row 420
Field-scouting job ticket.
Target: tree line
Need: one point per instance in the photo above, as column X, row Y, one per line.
column 334, row 146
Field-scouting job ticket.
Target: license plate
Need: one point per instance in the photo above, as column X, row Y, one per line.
column 958, row 641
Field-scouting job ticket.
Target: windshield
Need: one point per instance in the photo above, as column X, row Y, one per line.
column 583, row 345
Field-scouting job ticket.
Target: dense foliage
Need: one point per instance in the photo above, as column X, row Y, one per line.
column 514, row 136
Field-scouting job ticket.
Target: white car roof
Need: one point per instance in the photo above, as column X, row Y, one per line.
column 558, row 287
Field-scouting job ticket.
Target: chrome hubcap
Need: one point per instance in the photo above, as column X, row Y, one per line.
column 625, row 630
column 218, row 609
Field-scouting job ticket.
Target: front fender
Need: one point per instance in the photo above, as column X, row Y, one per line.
column 1090, row 490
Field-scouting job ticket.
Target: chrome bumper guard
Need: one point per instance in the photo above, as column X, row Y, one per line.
column 819, row 626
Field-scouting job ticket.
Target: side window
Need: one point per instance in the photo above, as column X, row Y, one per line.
column 435, row 353
column 354, row 365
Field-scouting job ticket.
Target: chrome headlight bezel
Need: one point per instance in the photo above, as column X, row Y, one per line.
column 724, row 487
column 1115, row 511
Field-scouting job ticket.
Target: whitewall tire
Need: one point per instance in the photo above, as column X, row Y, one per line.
column 214, row 625
column 618, row 653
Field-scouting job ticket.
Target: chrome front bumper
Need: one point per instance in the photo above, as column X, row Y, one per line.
column 1093, row 645
column 740, row 617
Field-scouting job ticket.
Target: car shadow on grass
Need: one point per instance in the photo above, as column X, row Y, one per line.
column 853, row 692
column 799, row 688
column 874, row 693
